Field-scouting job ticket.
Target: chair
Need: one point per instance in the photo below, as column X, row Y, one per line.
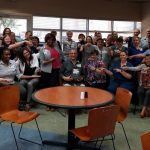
column 101, row 123
column 9, row 101
column 123, row 99
column 145, row 139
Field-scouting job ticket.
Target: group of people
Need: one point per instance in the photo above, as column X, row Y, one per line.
column 92, row 61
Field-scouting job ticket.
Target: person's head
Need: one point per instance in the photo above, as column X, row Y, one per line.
column 50, row 39
column 73, row 54
column 54, row 32
column 35, row 41
column 100, row 42
column 25, row 54
column 123, row 56
column 69, row 35
column 97, row 34
column 147, row 59
column 89, row 39
column 28, row 35
column 6, row 31
column 81, row 37
column 119, row 41
column 148, row 33
column 13, row 37
column 93, row 54
column 5, row 55
column 136, row 41
column 136, row 32
column 6, row 40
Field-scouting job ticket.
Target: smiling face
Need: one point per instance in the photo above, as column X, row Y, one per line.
column 136, row 41
column 73, row 55
column 7, row 40
column 6, row 55
column 26, row 54
column 123, row 56
column 147, row 60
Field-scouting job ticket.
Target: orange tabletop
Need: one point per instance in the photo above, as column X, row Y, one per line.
column 69, row 97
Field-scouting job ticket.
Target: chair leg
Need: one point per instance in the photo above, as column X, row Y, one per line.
column 112, row 136
column 101, row 144
column 14, row 136
column 29, row 140
column 125, row 135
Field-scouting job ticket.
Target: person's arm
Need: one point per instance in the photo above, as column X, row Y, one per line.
column 137, row 68
column 29, row 77
column 137, row 56
column 16, row 45
column 124, row 73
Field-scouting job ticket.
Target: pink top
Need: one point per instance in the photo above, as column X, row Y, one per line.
column 56, row 63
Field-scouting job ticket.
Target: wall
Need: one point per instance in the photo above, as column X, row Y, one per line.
column 95, row 9
column 145, row 17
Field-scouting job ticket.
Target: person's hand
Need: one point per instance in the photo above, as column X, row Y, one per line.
column 130, row 57
column 92, row 68
column 68, row 78
column 2, row 80
column 35, row 76
column 125, row 68
column 118, row 70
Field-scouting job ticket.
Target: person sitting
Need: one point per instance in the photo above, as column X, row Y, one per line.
column 120, row 77
column 144, row 84
column 8, row 72
column 94, row 74
column 71, row 71
column 28, row 68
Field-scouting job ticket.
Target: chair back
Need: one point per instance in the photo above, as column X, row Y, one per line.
column 123, row 99
column 145, row 139
column 101, row 121
column 9, row 98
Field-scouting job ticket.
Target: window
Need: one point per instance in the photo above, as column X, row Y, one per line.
column 41, row 35
column 123, row 26
column 18, row 26
column 46, row 23
column 74, row 24
column 75, row 35
column 100, row 25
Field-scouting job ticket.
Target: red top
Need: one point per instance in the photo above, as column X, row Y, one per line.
column 56, row 63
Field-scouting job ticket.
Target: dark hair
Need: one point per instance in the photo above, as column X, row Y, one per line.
column 120, row 39
column 5, row 31
column 49, row 36
column 21, row 56
column 100, row 39
column 90, row 38
column 36, row 38
column 81, row 34
column 2, row 51
column 94, row 52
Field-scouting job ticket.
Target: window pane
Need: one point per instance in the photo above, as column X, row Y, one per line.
column 138, row 25
column 104, row 35
column 18, row 26
column 46, row 23
column 74, row 24
column 75, row 36
column 41, row 35
column 123, row 26
column 101, row 25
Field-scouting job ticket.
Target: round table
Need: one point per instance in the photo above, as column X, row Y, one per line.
column 69, row 99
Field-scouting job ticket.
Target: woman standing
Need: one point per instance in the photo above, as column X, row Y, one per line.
column 50, row 63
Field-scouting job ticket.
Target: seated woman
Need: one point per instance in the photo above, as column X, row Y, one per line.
column 28, row 68
column 120, row 78
column 94, row 71
column 144, row 84
column 8, row 72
